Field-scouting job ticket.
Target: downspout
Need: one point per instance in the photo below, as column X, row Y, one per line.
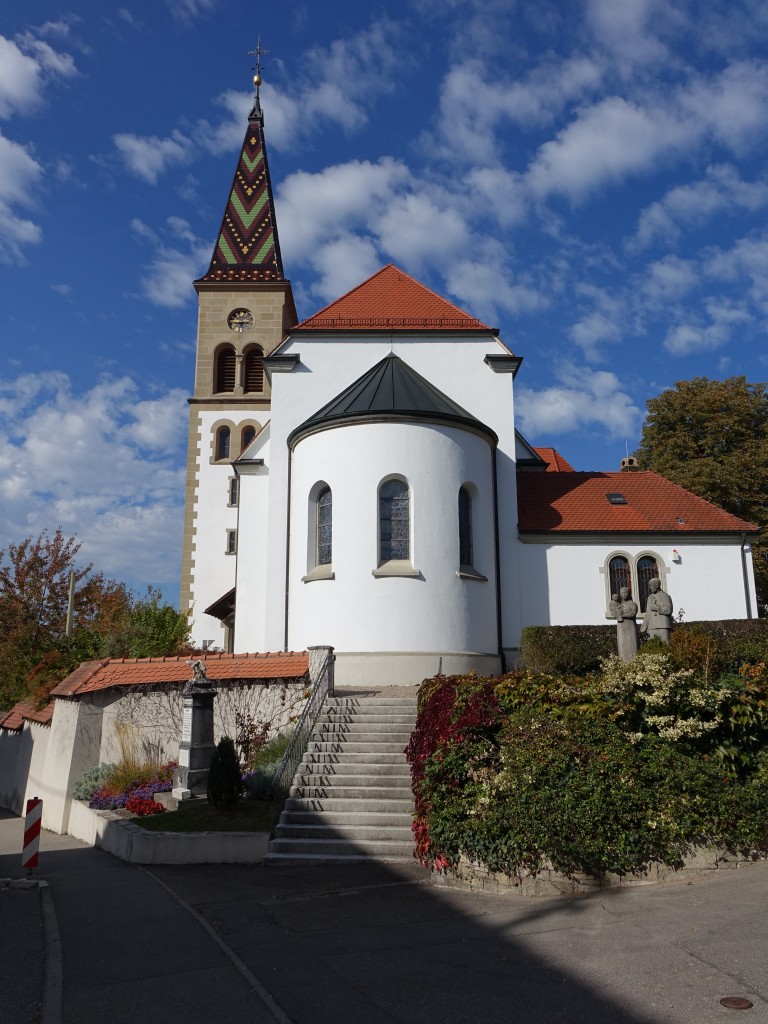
column 287, row 546
column 745, row 574
column 497, row 558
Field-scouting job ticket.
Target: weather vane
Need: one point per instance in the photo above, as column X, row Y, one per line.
column 258, row 53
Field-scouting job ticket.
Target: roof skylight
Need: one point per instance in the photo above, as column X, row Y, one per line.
column 615, row 498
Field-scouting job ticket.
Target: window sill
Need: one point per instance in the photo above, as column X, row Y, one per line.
column 320, row 572
column 396, row 567
column 466, row 572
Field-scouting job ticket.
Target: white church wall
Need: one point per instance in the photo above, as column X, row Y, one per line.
column 438, row 614
column 214, row 567
column 454, row 364
column 253, row 540
column 564, row 583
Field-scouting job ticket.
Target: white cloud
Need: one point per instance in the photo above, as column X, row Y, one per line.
column 688, row 338
column 188, row 10
column 582, row 400
column 531, row 101
column 733, row 105
column 20, row 173
column 149, row 156
column 624, row 27
column 62, row 289
column 746, row 261
column 670, row 279
column 20, row 80
column 104, row 464
column 606, row 143
column 172, row 269
column 696, row 203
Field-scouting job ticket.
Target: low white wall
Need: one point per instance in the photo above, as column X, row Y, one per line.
column 22, row 766
column 132, row 843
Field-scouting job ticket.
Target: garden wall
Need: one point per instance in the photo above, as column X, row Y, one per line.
column 22, row 765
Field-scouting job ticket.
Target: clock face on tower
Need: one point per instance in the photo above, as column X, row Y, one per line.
column 240, row 320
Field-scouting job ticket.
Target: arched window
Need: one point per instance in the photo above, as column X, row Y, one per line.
column 647, row 569
column 465, row 528
column 619, row 574
column 223, row 436
column 225, row 369
column 324, row 527
column 622, row 569
column 394, row 521
column 247, row 436
column 253, row 377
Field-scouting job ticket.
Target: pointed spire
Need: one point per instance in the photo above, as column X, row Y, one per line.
column 247, row 248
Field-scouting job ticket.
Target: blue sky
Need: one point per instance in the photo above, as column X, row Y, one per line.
column 590, row 177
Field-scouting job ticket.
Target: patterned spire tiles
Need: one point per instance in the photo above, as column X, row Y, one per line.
column 247, row 248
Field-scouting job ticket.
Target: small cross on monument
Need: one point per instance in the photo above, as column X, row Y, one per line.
column 196, row 749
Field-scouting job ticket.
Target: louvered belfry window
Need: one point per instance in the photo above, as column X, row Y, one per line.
column 394, row 521
column 647, row 569
column 226, row 370
column 620, row 574
column 254, row 370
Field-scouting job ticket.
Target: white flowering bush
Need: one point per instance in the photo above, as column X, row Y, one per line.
column 651, row 695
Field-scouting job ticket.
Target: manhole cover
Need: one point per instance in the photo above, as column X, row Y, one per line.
column 736, row 1003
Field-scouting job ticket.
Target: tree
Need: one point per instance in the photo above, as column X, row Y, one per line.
column 711, row 436
column 110, row 621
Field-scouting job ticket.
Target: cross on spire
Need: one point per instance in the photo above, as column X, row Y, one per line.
column 258, row 53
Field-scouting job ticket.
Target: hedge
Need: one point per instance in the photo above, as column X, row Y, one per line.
column 578, row 650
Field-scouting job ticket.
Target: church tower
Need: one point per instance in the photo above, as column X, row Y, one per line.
column 245, row 308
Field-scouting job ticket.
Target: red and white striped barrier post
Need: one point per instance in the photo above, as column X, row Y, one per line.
column 32, row 833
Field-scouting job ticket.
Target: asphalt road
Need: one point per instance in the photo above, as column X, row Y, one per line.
column 369, row 944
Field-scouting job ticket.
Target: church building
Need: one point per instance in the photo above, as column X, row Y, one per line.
column 356, row 479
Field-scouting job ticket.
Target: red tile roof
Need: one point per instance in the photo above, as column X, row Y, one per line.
column 391, row 300
column 23, row 712
column 578, row 503
column 100, row 675
column 554, row 460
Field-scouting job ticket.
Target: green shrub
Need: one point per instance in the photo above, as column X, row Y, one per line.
column 566, row 649
column 92, row 780
column 225, row 784
column 595, row 774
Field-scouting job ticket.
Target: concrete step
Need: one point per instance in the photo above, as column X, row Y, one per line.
column 394, row 729
column 350, row 792
column 383, row 819
column 356, row 746
column 390, row 805
column 401, row 722
column 388, row 783
column 381, row 848
column 297, row 860
column 360, row 768
column 354, row 757
column 391, row 833
column 364, row 704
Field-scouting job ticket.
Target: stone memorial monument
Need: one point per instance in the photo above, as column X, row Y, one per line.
column 658, row 612
column 196, row 749
column 624, row 611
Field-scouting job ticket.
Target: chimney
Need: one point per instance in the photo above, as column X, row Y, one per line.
column 629, row 465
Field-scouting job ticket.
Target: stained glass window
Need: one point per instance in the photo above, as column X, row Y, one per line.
column 647, row 569
column 620, row 575
column 222, row 443
column 465, row 527
column 233, row 490
column 394, row 521
column 324, row 509
column 247, row 436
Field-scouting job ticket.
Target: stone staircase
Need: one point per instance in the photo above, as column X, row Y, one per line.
column 351, row 797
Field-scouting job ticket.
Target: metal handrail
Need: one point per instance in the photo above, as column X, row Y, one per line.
column 321, row 661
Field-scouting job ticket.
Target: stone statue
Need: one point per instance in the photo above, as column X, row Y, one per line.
column 658, row 612
column 198, row 670
column 625, row 612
